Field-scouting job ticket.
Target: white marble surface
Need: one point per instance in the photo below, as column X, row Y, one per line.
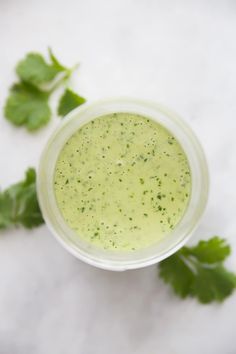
column 180, row 53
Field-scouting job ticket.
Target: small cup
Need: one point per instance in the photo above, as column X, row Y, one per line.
column 114, row 260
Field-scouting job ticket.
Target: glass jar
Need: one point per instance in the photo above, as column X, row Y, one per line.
column 114, row 260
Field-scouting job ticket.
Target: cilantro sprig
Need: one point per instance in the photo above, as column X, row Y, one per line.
column 28, row 102
column 19, row 204
column 199, row 271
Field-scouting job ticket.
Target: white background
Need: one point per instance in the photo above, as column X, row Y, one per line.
column 180, row 53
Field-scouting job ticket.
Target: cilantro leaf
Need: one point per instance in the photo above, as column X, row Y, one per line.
column 68, row 101
column 34, row 69
column 27, row 105
column 199, row 272
column 213, row 284
column 178, row 274
column 55, row 63
column 19, row 204
column 210, row 251
column 6, row 204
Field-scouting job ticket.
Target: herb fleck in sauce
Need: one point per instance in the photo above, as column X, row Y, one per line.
column 122, row 182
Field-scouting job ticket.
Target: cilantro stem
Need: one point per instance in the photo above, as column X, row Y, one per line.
column 63, row 79
column 199, row 272
column 73, row 68
column 58, row 83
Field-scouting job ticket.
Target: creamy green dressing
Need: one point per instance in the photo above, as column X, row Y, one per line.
column 122, row 182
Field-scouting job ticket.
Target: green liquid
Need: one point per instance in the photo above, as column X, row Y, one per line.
column 122, row 182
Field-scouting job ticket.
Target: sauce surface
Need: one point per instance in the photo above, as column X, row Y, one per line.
column 122, row 182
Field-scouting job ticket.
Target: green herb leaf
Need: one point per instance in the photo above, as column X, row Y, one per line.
column 213, row 284
column 34, row 69
column 211, row 251
column 198, row 271
column 27, row 105
column 173, row 270
column 55, row 62
column 68, row 101
column 6, row 204
column 19, row 204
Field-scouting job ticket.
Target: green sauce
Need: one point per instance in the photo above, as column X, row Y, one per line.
column 122, row 182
